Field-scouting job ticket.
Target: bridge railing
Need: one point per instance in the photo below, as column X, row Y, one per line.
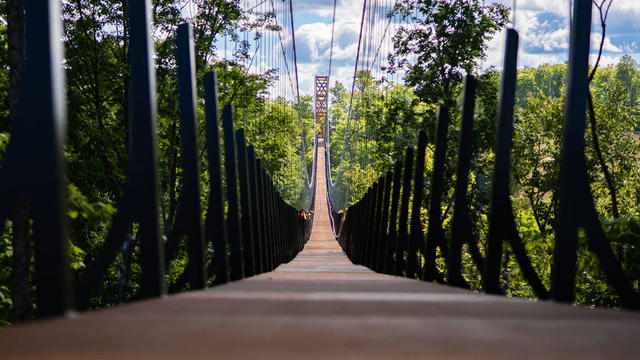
column 377, row 231
column 248, row 225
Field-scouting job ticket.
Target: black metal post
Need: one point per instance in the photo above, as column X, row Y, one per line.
column 403, row 236
column 461, row 229
column 216, row 230
column 256, row 210
column 245, row 205
column 375, row 217
column 416, row 236
column 500, row 202
column 144, row 132
column 382, row 236
column 573, row 164
column 392, row 249
column 40, row 129
column 185, row 59
column 233, row 223
column 435, row 237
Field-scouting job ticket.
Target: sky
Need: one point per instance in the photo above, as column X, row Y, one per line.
column 541, row 24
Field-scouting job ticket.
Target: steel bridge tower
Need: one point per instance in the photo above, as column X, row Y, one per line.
column 321, row 102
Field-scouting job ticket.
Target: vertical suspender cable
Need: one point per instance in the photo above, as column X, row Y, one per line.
column 355, row 71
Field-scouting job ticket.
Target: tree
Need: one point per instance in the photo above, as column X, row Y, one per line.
column 546, row 79
column 628, row 73
column 448, row 39
column 385, row 119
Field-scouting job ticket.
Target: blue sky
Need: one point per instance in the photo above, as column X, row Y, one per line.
column 542, row 25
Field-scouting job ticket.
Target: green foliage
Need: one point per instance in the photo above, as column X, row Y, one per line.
column 626, row 72
column 81, row 207
column 447, row 38
column 275, row 135
column 384, row 120
column 545, row 79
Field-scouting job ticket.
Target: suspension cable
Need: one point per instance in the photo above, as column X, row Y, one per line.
column 384, row 35
column 355, row 71
column 333, row 25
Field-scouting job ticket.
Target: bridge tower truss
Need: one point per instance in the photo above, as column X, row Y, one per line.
column 321, row 102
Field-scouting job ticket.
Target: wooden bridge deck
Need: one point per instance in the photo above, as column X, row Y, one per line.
column 320, row 306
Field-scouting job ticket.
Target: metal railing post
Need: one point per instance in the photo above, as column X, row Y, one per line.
column 216, row 230
column 233, row 223
column 185, row 59
column 416, row 235
column 245, row 205
column 500, row 202
column 144, row 133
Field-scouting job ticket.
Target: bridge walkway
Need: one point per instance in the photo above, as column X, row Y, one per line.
column 321, row 306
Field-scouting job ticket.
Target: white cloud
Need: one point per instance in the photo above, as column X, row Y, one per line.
column 607, row 46
column 543, row 26
column 313, row 40
column 627, row 7
column 553, row 6
column 532, row 60
column 605, row 60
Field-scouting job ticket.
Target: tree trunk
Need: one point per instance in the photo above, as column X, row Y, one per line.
column 603, row 165
column 20, row 294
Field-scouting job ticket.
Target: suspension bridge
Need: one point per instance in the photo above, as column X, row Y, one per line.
column 307, row 281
